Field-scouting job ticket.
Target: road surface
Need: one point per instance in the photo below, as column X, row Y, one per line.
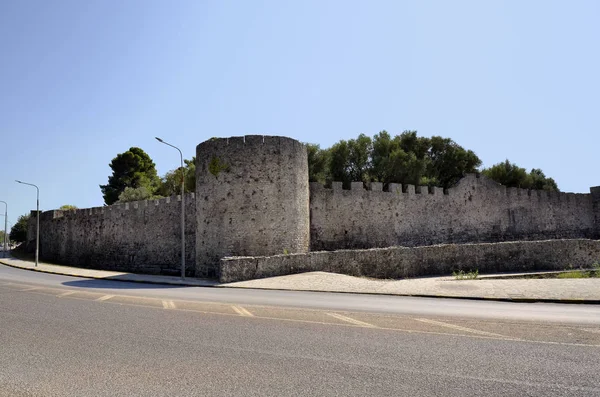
column 63, row 336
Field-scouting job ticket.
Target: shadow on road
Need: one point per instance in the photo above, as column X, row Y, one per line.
column 117, row 284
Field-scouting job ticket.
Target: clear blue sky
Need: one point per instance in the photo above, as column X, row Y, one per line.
column 81, row 81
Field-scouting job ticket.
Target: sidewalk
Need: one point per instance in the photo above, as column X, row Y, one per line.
column 521, row 290
column 105, row 274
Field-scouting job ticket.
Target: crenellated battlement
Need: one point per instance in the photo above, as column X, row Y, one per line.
column 246, row 142
column 477, row 209
column 142, row 236
column 120, row 208
column 378, row 187
column 468, row 182
column 253, row 198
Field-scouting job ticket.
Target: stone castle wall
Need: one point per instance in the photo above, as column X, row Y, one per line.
column 252, row 198
column 476, row 210
column 595, row 193
column 141, row 236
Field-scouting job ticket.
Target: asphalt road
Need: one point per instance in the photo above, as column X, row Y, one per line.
column 62, row 336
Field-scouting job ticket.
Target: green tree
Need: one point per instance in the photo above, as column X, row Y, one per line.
column 339, row 162
column 448, row 161
column 406, row 168
column 405, row 158
column 508, row 174
column 539, row 181
column 18, row 233
column 350, row 161
column 67, row 207
column 318, row 163
column 410, row 159
column 171, row 182
column 392, row 163
column 511, row 175
column 411, row 143
column 360, row 158
column 133, row 169
column 383, row 146
column 136, row 194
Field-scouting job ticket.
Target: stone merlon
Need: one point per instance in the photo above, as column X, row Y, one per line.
column 253, row 199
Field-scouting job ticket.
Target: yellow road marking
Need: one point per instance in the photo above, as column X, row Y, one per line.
column 459, row 328
column 169, row 305
column 351, row 320
column 481, row 334
column 241, row 311
column 66, row 293
column 104, row 298
column 406, row 331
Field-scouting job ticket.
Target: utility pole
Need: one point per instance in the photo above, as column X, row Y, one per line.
column 182, row 208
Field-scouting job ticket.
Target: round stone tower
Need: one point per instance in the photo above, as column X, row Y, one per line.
column 251, row 199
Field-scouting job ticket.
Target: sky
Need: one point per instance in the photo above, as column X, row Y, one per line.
column 81, row 81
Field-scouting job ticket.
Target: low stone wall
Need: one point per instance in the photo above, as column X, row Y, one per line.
column 435, row 260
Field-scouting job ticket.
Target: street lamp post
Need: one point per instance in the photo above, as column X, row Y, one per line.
column 11, row 226
column 5, row 223
column 182, row 208
column 37, row 226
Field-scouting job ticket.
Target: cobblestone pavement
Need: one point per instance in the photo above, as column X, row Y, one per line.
column 558, row 290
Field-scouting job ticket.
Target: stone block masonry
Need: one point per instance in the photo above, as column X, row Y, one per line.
column 434, row 260
column 142, row 236
column 476, row 210
column 253, row 199
column 595, row 191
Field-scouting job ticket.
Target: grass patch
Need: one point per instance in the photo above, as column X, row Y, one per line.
column 563, row 275
column 461, row 275
column 575, row 274
column 595, row 273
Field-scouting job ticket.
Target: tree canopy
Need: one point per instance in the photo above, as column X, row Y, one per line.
column 136, row 194
column 18, row 233
column 131, row 169
column 171, row 182
column 318, row 163
column 511, row 175
column 67, row 207
column 405, row 158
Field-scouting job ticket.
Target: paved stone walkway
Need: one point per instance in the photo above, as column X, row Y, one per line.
column 528, row 290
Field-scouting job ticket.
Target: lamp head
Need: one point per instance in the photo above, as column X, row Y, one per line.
column 158, row 139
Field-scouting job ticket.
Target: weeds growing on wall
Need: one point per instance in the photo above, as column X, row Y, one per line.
column 216, row 166
column 461, row 275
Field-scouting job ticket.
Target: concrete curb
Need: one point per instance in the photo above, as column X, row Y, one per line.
column 217, row 285
column 477, row 298
column 116, row 278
